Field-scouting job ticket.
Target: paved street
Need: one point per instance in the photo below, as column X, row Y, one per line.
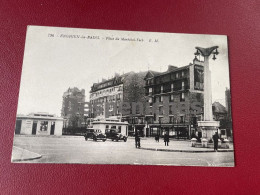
column 77, row 150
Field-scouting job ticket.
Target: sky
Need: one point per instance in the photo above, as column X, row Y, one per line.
column 58, row 58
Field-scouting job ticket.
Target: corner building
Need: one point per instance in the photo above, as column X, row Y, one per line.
column 128, row 87
column 182, row 89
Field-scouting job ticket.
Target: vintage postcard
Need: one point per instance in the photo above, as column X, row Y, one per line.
column 124, row 97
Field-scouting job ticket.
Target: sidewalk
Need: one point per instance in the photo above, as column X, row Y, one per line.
column 176, row 146
column 20, row 154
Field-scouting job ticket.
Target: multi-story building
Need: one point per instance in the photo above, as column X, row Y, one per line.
column 73, row 107
column 220, row 114
column 229, row 113
column 176, row 98
column 111, row 94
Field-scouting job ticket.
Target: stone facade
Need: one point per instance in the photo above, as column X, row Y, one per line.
column 127, row 88
column 176, row 97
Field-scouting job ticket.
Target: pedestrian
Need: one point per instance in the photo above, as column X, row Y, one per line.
column 157, row 138
column 215, row 139
column 137, row 141
column 166, row 139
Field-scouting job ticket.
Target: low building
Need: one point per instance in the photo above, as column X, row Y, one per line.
column 106, row 125
column 38, row 124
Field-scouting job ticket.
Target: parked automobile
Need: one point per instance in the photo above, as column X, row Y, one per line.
column 95, row 134
column 113, row 134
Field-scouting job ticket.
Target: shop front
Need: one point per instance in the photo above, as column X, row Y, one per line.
column 179, row 131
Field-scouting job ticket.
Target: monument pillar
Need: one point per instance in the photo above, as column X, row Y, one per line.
column 208, row 116
column 207, row 126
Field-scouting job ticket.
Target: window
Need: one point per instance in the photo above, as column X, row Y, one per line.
column 43, row 125
column 223, row 132
column 171, row 98
column 170, row 109
column 119, row 129
column 172, row 86
column 171, row 119
column 182, row 85
column 160, row 120
column 161, row 88
column 182, row 97
column 181, row 119
column 160, row 98
column 160, row 110
column 177, row 75
column 154, row 99
column 150, row 90
column 182, row 73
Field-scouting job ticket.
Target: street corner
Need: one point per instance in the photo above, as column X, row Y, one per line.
column 20, row 154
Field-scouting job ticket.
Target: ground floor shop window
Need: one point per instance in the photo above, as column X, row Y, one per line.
column 43, row 125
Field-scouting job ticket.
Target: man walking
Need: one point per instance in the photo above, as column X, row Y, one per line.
column 137, row 140
column 215, row 139
column 166, row 139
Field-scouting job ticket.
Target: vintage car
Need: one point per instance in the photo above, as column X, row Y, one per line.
column 113, row 134
column 95, row 134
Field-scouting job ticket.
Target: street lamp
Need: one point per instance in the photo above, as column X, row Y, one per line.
column 207, row 124
column 206, row 53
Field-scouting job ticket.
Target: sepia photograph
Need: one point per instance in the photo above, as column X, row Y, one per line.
column 90, row 96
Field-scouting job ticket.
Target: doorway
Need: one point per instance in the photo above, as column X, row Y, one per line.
column 18, row 126
column 34, row 127
column 52, row 128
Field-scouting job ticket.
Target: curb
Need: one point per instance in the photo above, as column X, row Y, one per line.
column 51, row 136
column 188, row 151
column 37, row 156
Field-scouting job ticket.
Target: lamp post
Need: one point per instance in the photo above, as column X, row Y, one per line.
column 206, row 53
column 207, row 124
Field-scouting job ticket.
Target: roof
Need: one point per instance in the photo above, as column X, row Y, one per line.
column 218, row 108
column 116, row 80
column 151, row 74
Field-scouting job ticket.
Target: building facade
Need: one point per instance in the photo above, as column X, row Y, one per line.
column 38, row 124
column 176, row 100
column 116, row 96
column 229, row 113
column 220, row 114
column 73, row 107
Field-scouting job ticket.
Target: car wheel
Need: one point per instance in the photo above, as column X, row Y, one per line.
column 125, row 139
column 112, row 140
column 117, row 139
column 86, row 138
column 103, row 140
